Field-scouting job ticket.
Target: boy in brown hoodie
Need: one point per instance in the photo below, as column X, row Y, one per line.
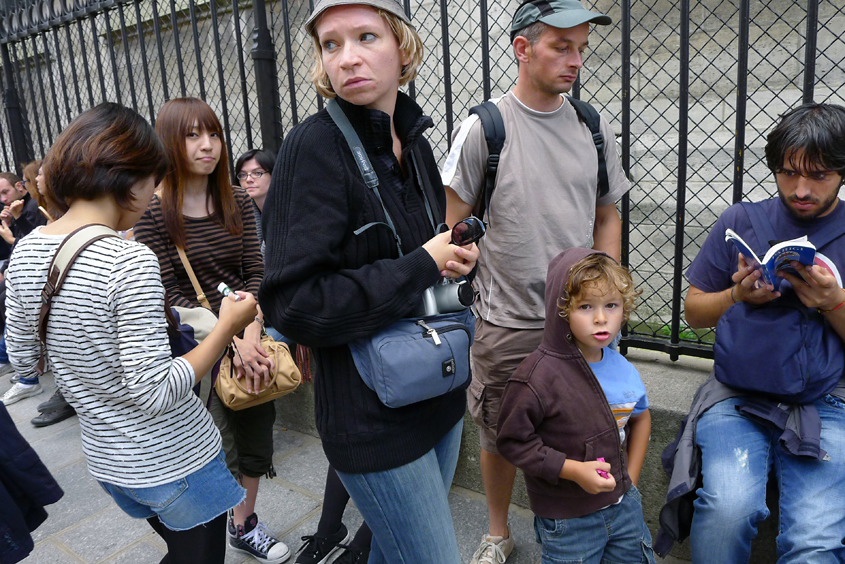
column 575, row 418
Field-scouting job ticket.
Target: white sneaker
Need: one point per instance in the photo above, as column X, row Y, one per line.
column 19, row 391
column 493, row 550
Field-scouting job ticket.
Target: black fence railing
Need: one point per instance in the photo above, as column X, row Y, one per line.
column 691, row 87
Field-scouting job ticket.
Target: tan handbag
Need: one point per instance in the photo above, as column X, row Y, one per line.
column 284, row 379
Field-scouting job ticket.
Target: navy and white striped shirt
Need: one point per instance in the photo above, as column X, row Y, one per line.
column 107, row 342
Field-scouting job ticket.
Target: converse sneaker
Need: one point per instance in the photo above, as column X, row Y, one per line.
column 318, row 550
column 254, row 539
column 15, row 379
column 20, row 391
column 352, row 555
column 493, row 550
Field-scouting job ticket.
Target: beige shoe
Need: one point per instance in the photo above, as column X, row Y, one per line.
column 493, row 550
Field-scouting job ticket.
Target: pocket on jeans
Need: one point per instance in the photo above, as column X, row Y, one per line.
column 159, row 496
column 551, row 527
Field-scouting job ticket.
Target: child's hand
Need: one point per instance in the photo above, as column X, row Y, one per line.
column 235, row 316
column 584, row 474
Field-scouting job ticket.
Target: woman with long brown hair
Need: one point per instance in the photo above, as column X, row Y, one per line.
column 197, row 209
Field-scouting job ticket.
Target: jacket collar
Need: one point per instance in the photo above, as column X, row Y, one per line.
column 373, row 126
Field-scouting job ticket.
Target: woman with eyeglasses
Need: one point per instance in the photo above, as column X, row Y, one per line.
column 197, row 209
column 253, row 170
column 326, row 285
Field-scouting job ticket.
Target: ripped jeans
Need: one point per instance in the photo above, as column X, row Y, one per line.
column 737, row 456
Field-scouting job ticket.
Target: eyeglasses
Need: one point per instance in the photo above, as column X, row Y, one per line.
column 254, row 175
column 24, row 181
column 467, row 231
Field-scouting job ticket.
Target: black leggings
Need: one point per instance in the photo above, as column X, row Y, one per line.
column 334, row 504
column 204, row 544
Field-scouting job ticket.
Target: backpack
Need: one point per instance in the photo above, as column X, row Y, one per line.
column 494, row 134
column 782, row 349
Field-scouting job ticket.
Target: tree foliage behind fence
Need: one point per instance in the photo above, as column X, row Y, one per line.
column 691, row 89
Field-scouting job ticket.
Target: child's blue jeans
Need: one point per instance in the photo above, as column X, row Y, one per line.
column 615, row 534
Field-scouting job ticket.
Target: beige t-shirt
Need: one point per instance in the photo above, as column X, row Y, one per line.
column 545, row 201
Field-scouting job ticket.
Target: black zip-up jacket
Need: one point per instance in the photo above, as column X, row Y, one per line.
column 554, row 408
column 324, row 286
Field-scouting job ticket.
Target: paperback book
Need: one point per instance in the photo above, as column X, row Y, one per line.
column 777, row 258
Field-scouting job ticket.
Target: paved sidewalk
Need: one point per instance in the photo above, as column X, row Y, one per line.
column 87, row 527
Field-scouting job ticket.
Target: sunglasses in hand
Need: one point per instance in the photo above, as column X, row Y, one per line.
column 468, row 231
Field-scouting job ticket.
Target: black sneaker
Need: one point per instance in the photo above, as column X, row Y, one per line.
column 56, row 401
column 352, row 555
column 318, row 550
column 48, row 418
column 254, row 539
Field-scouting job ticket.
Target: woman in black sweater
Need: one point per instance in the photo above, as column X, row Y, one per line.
column 324, row 286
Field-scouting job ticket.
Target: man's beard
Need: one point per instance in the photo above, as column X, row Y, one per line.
column 821, row 210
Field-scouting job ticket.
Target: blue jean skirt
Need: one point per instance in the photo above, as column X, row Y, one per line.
column 185, row 503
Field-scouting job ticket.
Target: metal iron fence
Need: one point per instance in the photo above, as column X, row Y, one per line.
column 691, row 87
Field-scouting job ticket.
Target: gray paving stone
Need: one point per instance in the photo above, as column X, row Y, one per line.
column 49, row 553
column 469, row 515
column 83, row 497
column 285, row 441
column 35, row 434
column 60, row 449
column 305, row 468
column 104, row 534
column 141, row 553
column 280, row 508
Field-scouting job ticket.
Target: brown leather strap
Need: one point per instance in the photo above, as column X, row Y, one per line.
column 65, row 255
column 194, row 282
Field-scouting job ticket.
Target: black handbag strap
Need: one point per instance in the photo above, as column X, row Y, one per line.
column 369, row 174
column 762, row 226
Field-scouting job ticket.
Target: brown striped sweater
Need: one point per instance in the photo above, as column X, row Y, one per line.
column 215, row 255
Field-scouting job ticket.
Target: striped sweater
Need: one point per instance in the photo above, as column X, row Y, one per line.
column 215, row 255
column 141, row 424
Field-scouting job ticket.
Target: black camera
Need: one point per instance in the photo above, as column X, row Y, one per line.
column 450, row 295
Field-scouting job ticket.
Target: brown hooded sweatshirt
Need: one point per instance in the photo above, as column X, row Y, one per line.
column 553, row 408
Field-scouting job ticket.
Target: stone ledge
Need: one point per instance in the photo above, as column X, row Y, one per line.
column 670, row 385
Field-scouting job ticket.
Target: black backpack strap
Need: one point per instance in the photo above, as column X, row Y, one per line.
column 762, row 225
column 76, row 242
column 592, row 120
column 494, row 133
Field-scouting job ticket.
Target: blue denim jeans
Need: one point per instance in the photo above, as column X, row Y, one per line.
column 615, row 534
column 737, row 457
column 183, row 504
column 407, row 508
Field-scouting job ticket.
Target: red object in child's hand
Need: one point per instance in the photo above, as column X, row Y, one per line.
column 602, row 473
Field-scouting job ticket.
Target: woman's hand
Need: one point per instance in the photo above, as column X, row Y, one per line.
column 253, row 364
column 452, row 261
column 463, row 264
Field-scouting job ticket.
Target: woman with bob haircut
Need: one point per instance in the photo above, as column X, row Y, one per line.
column 325, row 285
column 147, row 438
column 197, row 209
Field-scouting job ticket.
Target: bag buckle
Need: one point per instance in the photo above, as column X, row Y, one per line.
column 430, row 332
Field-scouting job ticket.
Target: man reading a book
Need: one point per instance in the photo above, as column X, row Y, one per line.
column 739, row 446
